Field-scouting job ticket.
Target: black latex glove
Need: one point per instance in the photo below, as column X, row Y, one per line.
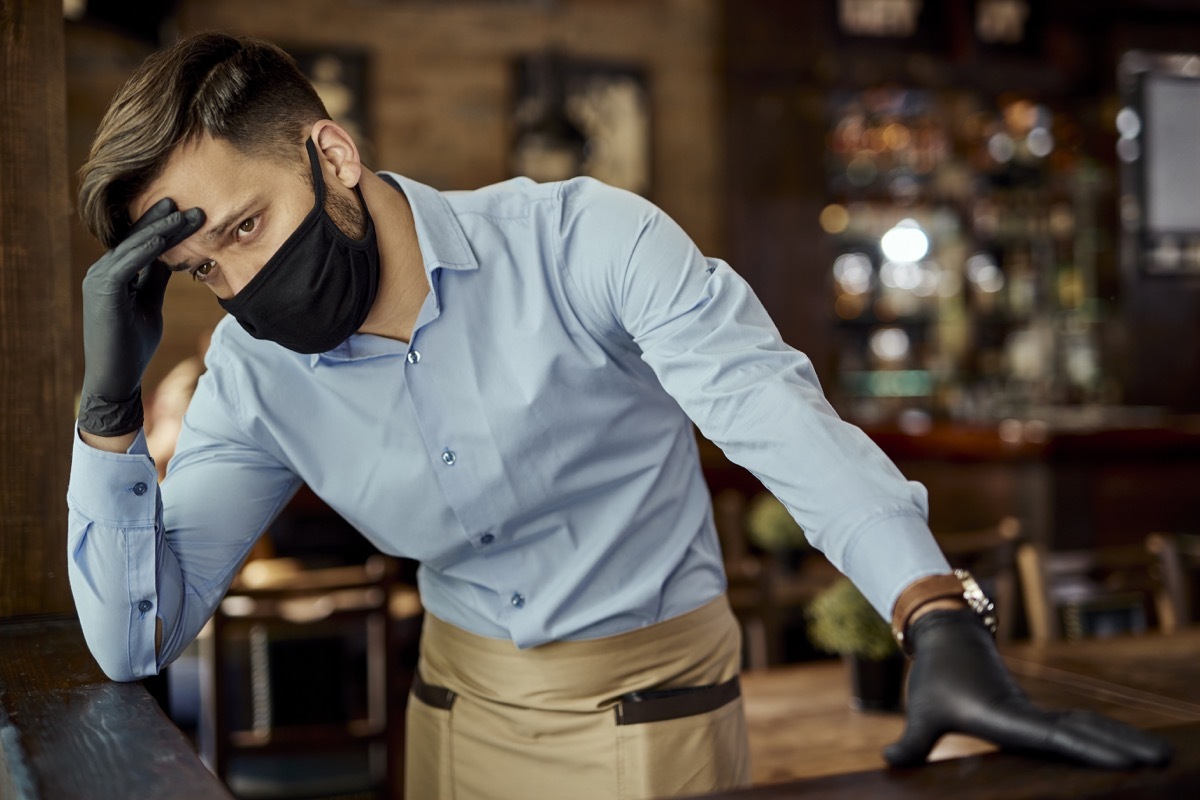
column 958, row 683
column 122, row 318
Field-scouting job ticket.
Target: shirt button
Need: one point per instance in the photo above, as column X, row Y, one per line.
column 145, row 606
column 414, row 356
column 449, row 458
column 518, row 600
column 139, row 488
column 487, row 538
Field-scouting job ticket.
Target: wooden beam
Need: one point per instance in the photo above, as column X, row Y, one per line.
column 37, row 313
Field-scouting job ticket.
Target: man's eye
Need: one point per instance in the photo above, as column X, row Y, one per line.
column 204, row 269
column 248, row 226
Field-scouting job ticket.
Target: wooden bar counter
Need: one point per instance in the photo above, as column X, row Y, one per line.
column 805, row 741
column 1075, row 478
column 66, row 731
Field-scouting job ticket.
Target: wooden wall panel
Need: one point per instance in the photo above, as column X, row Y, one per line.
column 36, row 311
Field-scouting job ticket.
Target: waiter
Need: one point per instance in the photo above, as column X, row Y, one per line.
column 502, row 385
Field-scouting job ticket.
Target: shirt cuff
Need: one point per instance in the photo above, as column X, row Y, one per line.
column 889, row 555
column 114, row 488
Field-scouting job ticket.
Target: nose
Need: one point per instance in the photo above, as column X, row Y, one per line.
column 236, row 276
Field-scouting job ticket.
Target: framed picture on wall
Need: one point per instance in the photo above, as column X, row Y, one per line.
column 1159, row 138
column 577, row 117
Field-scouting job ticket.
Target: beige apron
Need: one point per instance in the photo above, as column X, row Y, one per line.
column 487, row 721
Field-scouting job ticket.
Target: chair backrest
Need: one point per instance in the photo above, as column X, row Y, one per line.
column 282, row 649
column 990, row 555
column 1095, row 591
column 1178, row 557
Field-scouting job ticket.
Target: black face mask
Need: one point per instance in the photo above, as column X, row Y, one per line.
column 318, row 287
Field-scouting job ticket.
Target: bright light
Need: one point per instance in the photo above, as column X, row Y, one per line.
column 929, row 279
column 900, row 275
column 834, row 218
column 983, row 272
column 889, row 344
column 905, row 243
column 853, row 272
column 1129, row 124
column 1001, row 148
column 1040, row 142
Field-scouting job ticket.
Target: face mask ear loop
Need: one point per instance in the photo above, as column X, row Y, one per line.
column 317, row 174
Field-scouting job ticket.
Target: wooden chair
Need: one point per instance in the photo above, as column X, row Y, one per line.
column 990, row 554
column 1178, row 557
column 296, row 670
column 1098, row 591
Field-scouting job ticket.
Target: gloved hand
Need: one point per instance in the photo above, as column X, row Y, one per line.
column 958, row 682
column 122, row 318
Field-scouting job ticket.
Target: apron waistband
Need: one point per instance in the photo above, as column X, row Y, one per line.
column 701, row 648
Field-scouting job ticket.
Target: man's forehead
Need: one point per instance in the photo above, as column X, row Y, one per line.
column 192, row 172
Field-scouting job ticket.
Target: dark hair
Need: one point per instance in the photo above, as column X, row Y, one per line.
column 246, row 91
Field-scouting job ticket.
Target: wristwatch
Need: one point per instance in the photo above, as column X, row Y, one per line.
column 959, row 585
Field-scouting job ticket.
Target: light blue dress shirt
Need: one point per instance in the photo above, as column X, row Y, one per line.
column 532, row 446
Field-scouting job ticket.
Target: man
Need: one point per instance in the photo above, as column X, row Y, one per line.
column 502, row 385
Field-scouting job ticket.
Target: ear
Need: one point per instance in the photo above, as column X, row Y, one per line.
column 338, row 151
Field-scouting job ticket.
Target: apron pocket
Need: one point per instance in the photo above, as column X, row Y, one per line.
column 681, row 741
column 427, row 742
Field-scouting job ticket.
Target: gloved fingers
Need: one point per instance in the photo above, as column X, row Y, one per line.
column 151, row 282
column 142, row 248
column 193, row 220
column 1142, row 747
column 1076, row 736
column 914, row 744
column 152, row 214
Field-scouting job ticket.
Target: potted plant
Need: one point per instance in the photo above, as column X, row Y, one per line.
column 840, row 620
column 772, row 528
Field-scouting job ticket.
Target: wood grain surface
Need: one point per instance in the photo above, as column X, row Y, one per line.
column 66, row 731
column 36, row 317
column 805, row 740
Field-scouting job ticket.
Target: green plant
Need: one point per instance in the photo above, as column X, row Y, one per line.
column 840, row 620
column 771, row 526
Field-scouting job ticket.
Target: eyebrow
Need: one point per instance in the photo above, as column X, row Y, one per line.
column 218, row 230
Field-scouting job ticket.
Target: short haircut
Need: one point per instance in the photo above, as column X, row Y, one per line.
column 244, row 90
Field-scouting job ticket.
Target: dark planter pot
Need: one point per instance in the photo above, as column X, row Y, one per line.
column 876, row 685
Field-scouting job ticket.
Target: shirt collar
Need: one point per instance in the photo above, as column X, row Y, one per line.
column 439, row 234
column 443, row 246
